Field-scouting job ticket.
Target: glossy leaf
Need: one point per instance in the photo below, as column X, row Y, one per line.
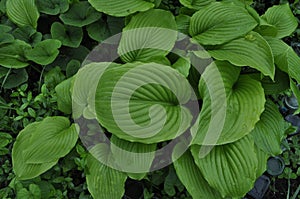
column 216, row 23
column 80, row 14
column 64, row 96
column 252, row 50
column 44, row 52
column 22, row 12
column 143, row 102
column 145, row 36
column 103, row 181
column 31, row 155
column 12, row 55
column 52, row 7
column 68, row 35
column 282, row 18
column 232, row 104
column 195, row 4
column 231, row 168
column 192, row 178
column 120, row 8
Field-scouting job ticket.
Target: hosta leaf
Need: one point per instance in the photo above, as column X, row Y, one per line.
column 98, row 31
column 183, row 66
column 252, row 50
column 22, row 12
column 103, row 181
column 4, row 28
column 80, row 14
column 53, row 133
column 6, row 38
column 84, row 89
column 183, row 23
column 120, row 8
column 145, row 36
column 269, row 130
column 52, row 7
column 216, row 23
column 296, row 92
column 266, row 29
column 195, row 4
column 231, row 168
column 12, row 55
column 68, row 35
column 143, row 102
column 28, row 34
column 280, row 83
column 64, row 96
column 262, row 158
column 285, row 57
column 44, row 52
column 133, row 157
column 282, row 18
column 191, row 177
column 232, row 104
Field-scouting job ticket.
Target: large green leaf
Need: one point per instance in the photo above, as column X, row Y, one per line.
column 80, row 14
column 148, row 34
column 231, row 168
column 103, row 181
column 191, row 177
column 12, row 55
column 120, row 8
column 285, row 57
column 282, row 18
column 195, row 4
column 143, row 102
column 252, row 50
column 68, row 35
column 133, row 157
column 22, row 12
column 64, row 96
column 269, row 131
column 6, row 38
column 220, row 22
column 84, row 89
column 44, row 52
column 31, row 155
column 232, row 104
column 52, row 7
column 183, row 23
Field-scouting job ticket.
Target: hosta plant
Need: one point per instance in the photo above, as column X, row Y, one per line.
column 129, row 106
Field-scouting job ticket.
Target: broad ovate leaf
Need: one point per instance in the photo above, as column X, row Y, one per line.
column 148, row 34
column 120, row 8
column 103, row 181
column 195, row 4
column 52, row 7
column 31, row 155
column 192, row 178
column 64, row 96
column 269, row 130
column 183, row 23
column 99, row 30
column 220, row 22
column 231, row 168
column 232, row 104
column 22, row 12
column 143, row 102
column 133, row 157
column 12, row 55
column 282, row 18
column 68, row 35
column 45, row 52
column 251, row 50
column 80, row 14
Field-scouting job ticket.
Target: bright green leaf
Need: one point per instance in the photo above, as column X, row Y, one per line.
column 121, row 8
column 183, row 66
column 195, row 4
column 80, row 14
column 44, row 52
column 252, row 50
column 64, row 96
column 52, row 7
column 220, row 22
column 23, row 12
column 183, row 23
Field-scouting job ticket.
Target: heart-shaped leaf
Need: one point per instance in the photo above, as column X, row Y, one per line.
column 252, row 50
column 98, row 31
column 232, row 104
column 22, row 12
column 68, row 35
column 120, row 8
column 143, row 102
column 216, row 23
column 52, row 7
column 145, row 36
column 44, row 52
column 28, row 34
column 80, row 14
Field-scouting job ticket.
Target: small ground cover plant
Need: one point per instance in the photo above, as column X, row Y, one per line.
column 65, row 117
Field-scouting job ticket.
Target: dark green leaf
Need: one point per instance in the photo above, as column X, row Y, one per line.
column 52, row 7
column 15, row 78
column 28, row 34
column 98, row 31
